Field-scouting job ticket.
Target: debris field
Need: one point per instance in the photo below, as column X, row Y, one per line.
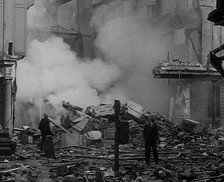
column 187, row 152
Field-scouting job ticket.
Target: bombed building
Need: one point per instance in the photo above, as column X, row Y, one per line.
column 90, row 89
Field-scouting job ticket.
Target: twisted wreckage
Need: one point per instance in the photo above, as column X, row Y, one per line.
column 84, row 149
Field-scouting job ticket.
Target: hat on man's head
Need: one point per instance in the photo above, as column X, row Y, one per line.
column 45, row 115
column 152, row 119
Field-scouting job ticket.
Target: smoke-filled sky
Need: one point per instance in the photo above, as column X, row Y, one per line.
column 52, row 73
column 127, row 39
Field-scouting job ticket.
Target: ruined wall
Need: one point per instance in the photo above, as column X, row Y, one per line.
column 202, row 103
column 180, row 21
column 182, row 103
column 66, row 15
column 184, row 23
column 85, row 28
column 192, row 38
column 222, row 104
column 129, row 42
column 1, row 98
column 199, row 102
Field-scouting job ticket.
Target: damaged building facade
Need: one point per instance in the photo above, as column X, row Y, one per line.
column 13, row 34
column 199, row 95
column 189, row 40
column 104, row 141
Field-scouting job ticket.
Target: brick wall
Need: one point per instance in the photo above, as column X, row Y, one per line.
column 199, row 101
column 222, row 104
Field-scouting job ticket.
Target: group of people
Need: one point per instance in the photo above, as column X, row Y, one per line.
column 150, row 135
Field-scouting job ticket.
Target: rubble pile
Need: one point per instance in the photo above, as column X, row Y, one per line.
column 97, row 124
column 185, row 154
column 177, row 64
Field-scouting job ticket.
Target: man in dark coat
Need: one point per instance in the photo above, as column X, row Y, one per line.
column 150, row 135
column 44, row 127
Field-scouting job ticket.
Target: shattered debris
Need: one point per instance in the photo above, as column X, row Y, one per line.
column 84, row 151
column 179, row 64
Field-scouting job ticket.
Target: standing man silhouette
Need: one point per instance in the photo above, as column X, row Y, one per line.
column 150, row 135
column 44, row 127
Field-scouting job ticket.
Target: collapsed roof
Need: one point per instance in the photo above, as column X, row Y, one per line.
column 184, row 69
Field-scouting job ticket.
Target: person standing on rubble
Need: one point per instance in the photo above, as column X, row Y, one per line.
column 150, row 135
column 44, row 127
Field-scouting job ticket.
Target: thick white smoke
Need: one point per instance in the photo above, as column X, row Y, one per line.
column 52, row 72
column 126, row 37
column 131, row 48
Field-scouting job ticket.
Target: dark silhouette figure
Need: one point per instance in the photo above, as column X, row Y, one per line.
column 49, row 147
column 150, row 135
column 44, row 127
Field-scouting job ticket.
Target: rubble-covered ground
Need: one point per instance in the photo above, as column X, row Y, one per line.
column 185, row 155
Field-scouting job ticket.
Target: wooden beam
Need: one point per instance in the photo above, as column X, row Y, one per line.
column 62, row 128
column 205, row 76
column 14, row 169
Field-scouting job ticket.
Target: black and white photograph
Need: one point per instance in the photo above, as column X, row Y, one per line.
column 111, row 91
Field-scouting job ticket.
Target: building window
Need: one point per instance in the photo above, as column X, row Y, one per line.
column 210, row 101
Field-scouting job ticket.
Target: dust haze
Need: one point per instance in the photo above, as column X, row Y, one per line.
column 130, row 47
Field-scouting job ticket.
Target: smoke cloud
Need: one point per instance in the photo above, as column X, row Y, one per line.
column 126, row 38
column 53, row 73
column 130, row 47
